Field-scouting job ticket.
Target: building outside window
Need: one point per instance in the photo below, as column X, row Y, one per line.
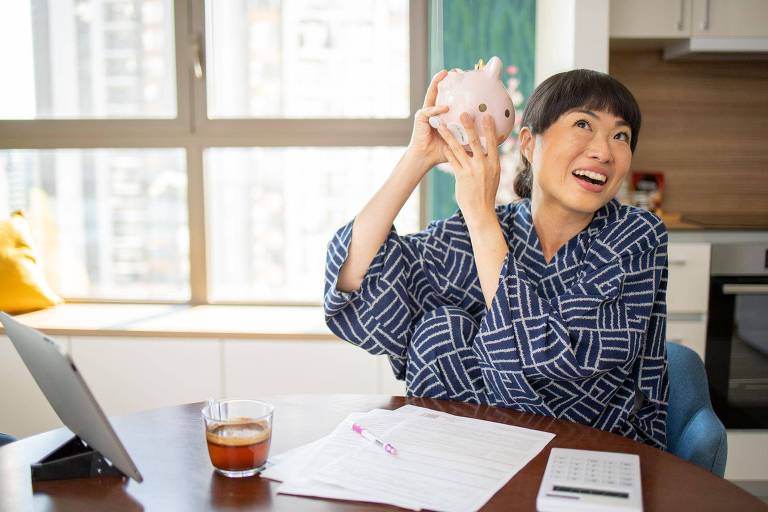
column 202, row 151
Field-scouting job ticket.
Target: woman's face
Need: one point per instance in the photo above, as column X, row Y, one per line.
column 581, row 141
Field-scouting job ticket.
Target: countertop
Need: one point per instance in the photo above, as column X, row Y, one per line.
column 713, row 222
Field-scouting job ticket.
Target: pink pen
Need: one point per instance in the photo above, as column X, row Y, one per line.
column 372, row 438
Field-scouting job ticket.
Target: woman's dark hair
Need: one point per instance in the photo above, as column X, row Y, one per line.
column 580, row 88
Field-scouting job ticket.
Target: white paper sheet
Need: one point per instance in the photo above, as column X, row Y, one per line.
column 298, row 461
column 463, row 462
column 293, row 467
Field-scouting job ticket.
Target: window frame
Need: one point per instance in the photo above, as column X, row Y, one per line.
column 192, row 131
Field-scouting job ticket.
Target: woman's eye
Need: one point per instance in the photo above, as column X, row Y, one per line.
column 622, row 136
column 582, row 123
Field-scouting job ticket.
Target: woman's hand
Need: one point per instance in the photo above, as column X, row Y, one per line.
column 477, row 174
column 425, row 144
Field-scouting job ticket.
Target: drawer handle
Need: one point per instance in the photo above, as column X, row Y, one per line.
column 677, row 262
column 745, row 289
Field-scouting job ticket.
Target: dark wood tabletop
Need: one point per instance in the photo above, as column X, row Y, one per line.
column 168, row 446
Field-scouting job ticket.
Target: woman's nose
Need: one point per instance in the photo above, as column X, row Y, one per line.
column 599, row 149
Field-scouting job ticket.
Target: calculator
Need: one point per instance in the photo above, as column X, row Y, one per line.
column 581, row 480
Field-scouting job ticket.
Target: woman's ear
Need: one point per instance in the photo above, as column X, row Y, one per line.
column 527, row 143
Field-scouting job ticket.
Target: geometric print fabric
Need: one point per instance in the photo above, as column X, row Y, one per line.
column 580, row 338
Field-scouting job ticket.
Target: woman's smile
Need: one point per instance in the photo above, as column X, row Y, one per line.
column 591, row 179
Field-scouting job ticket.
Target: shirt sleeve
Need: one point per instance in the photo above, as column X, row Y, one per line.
column 613, row 316
column 649, row 420
column 401, row 281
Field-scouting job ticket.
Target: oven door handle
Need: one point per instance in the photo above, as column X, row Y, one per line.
column 745, row 289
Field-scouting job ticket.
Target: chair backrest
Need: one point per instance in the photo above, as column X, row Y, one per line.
column 693, row 430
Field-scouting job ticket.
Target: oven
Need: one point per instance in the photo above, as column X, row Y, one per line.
column 737, row 334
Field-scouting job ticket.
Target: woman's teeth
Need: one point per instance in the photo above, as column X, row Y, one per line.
column 591, row 177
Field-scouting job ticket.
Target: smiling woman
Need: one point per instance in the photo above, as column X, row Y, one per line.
column 553, row 305
column 595, row 122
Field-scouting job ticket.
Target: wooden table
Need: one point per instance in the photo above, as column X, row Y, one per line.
column 169, row 448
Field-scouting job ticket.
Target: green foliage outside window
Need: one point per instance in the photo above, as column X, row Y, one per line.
column 473, row 30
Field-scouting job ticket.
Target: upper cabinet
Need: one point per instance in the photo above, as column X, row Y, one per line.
column 729, row 18
column 679, row 19
column 658, row 19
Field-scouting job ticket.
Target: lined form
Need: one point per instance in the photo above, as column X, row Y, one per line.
column 443, row 462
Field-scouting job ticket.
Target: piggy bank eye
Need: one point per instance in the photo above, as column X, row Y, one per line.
column 506, row 113
column 482, row 107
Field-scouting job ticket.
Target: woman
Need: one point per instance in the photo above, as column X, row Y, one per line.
column 552, row 305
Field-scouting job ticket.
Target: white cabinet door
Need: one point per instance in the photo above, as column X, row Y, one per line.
column 688, row 286
column 730, row 18
column 254, row 368
column 24, row 410
column 747, row 455
column 388, row 384
column 662, row 19
column 691, row 333
column 133, row 374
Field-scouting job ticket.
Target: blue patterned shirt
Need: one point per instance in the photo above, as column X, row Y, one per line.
column 580, row 338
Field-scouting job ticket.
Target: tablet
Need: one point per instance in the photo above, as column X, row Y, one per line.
column 66, row 391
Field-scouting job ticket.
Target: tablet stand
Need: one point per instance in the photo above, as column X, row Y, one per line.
column 73, row 459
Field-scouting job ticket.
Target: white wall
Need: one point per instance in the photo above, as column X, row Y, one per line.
column 571, row 34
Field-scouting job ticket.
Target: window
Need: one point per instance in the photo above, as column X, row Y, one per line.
column 87, row 59
column 111, row 223
column 202, row 151
column 310, row 59
column 272, row 211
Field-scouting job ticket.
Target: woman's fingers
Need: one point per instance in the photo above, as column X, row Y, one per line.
column 474, row 141
column 448, row 153
column 489, row 131
column 427, row 112
column 431, row 96
column 456, row 148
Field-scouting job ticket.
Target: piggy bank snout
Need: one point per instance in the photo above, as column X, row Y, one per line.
column 455, row 128
column 459, row 133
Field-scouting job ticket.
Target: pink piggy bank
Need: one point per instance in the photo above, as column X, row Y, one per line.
column 477, row 92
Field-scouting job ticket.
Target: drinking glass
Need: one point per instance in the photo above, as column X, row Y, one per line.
column 238, row 434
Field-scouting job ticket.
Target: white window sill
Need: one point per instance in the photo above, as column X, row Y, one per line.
column 160, row 320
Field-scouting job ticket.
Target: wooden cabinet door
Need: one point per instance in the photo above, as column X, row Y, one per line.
column 730, row 18
column 647, row 19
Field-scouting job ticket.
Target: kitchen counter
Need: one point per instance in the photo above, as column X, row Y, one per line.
column 713, row 222
column 687, row 232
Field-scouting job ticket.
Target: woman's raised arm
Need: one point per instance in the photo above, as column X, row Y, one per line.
column 373, row 223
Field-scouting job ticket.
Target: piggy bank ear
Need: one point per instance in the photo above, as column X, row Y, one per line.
column 493, row 68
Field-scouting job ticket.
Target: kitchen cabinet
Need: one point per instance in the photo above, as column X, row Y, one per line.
column 688, row 286
column 25, row 410
column 264, row 367
column 662, row 19
column 680, row 19
column 729, row 18
column 691, row 332
column 128, row 375
column 688, row 294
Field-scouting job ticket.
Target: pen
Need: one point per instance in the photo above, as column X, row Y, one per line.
column 372, row 438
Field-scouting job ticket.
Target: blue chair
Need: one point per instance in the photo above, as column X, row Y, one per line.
column 694, row 432
column 5, row 439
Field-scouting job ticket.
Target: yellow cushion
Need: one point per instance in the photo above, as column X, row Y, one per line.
column 22, row 283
